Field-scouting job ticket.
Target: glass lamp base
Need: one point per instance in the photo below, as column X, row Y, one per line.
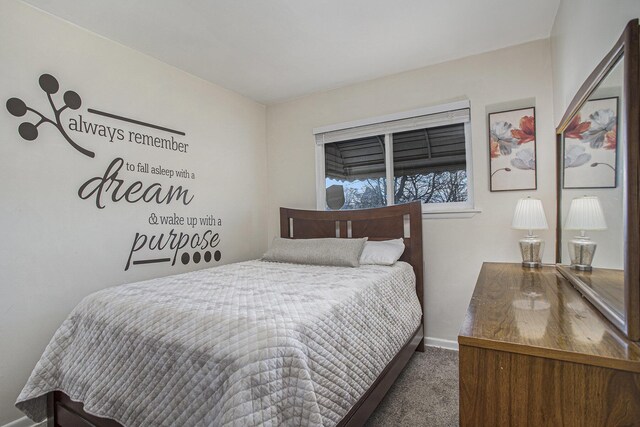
column 531, row 248
column 581, row 252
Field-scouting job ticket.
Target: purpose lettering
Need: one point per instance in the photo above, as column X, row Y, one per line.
column 174, row 241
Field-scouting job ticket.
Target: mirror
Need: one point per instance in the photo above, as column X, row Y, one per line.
column 591, row 199
column 598, row 145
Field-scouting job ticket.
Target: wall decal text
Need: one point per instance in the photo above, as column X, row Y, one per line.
column 114, row 185
column 175, row 242
column 99, row 186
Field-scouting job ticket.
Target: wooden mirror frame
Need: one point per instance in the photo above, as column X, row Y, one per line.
column 628, row 47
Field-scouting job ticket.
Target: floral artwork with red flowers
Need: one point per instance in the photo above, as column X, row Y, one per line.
column 512, row 150
column 590, row 146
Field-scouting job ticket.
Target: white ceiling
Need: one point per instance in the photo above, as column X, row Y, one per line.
column 272, row 50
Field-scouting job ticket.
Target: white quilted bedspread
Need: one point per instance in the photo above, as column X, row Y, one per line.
column 252, row 343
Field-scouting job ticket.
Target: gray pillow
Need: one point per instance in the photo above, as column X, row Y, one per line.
column 335, row 252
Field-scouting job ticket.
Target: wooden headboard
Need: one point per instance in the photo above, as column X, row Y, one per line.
column 386, row 223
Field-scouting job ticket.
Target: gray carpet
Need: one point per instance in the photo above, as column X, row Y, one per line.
column 425, row 393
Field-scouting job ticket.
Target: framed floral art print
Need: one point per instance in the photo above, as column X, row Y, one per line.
column 590, row 146
column 512, row 150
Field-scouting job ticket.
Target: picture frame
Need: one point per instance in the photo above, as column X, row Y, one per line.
column 512, row 150
column 590, row 146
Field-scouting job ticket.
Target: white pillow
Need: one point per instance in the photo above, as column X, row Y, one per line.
column 327, row 251
column 385, row 252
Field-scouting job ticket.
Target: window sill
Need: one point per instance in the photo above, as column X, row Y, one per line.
column 451, row 213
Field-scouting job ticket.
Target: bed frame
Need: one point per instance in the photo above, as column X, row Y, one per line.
column 385, row 223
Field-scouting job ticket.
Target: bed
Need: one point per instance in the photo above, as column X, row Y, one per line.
column 252, row 343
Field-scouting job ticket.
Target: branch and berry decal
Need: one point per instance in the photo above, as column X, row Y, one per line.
column 29, row 130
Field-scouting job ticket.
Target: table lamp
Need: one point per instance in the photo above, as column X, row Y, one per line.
column 585, row 213
column 529, row 215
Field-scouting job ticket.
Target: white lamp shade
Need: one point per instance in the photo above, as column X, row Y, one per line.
column 529, row 215
column 585, row 213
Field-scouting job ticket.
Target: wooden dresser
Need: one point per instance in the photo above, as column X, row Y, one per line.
column 533, row 352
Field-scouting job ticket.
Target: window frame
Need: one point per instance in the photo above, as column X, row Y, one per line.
column 467, row 206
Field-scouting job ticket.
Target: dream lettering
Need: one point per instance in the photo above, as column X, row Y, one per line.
column 99, row 187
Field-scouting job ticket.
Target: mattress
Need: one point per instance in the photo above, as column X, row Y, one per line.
column 251, row 343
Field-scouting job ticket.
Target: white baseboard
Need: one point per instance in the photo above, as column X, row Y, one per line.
column 437, row 342
column 25, row 422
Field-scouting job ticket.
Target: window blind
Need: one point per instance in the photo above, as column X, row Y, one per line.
column 393, row 126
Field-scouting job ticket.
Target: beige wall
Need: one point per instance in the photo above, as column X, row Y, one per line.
column 583, row 32
column 454, row 248
column 56, row 248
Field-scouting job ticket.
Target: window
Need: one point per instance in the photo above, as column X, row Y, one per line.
column 430, row 165
column 355, row 173
column 420, row 155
